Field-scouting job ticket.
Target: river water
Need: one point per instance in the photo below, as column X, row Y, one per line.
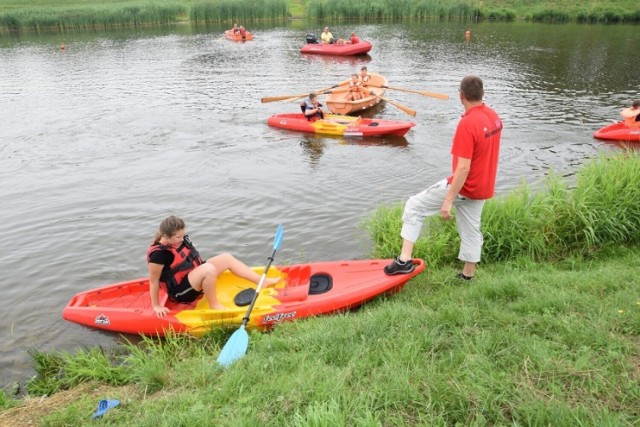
column 102, row 140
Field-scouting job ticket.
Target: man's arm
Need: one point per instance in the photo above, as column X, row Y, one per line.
column 459, row 177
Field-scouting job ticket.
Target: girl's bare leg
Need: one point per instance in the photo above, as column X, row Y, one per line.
column 227, row 261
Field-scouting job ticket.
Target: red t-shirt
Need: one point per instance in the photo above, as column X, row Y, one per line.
column 477, row 138
column 355, row 39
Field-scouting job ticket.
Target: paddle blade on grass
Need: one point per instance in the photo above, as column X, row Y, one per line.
column 235, row 348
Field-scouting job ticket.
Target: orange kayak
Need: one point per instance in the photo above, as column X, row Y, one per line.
column 338, row 104
column 304, row 290
column 347, row 126
column 229, row 34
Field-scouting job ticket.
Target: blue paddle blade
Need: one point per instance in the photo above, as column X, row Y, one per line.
column 277, row 241
column 235, row 348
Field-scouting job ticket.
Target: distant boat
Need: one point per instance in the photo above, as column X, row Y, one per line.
column 229, row 34
column 346, row 49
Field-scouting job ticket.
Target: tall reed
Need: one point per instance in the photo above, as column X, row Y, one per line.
column 207, row 11
column 94, row 16
column 402, row 9
column 602, row 210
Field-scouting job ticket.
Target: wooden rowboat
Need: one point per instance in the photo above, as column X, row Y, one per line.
column 229, row 34
column 338, row 104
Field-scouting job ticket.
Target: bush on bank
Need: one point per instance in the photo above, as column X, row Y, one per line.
column 601, row 209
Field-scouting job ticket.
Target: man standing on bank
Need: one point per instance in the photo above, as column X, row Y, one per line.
column 475, row 150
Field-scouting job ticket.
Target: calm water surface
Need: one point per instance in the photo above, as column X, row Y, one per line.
column 101, row 141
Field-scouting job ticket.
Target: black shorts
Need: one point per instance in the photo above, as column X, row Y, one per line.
column 184, row 292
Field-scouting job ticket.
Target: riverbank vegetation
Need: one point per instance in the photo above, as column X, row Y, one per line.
column 505, row 10
column 548, row 333
column 84, row 14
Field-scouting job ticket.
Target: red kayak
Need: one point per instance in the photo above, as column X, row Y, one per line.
column 618, row 132
column 304, row 290
column 347, row 126
column 346, row 49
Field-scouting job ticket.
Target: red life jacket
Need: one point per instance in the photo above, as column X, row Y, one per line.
column 243, row 31
column 183, row 263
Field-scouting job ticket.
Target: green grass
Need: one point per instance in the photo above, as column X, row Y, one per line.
column 526, row 344
column 548, row 333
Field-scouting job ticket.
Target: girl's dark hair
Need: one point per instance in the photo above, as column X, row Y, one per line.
column 168, row 227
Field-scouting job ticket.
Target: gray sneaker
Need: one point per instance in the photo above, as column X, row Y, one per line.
column 399, row 267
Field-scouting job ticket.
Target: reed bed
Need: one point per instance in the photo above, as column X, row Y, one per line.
column 543, row 11
column 212, row 11
column 96, row 16
column 601, row 210
column 364, row 10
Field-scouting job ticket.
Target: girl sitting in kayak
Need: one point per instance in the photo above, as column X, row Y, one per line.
column 175, row 263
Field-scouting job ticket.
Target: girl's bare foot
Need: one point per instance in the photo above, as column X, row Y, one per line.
column 219, row 307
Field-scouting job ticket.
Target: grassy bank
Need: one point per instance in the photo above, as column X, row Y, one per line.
column 529, row 342
column 68, row 14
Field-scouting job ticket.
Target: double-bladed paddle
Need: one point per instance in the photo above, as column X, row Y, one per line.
column 236, row 346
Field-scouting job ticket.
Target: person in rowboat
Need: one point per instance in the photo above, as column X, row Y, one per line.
column 354, row 39
column 631, row 115
column 475, row 151
column 365, row 78
column 355, row 88
column 175, row 263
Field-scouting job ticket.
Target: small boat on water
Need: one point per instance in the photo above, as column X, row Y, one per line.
column 231, row 35
column 338, row 104
column 346, row 49
column 304, row 290
column 347, row 126
column 618, row 132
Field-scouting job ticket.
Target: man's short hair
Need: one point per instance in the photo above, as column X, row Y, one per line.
column 472, row 88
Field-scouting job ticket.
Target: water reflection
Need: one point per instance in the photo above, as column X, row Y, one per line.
column 354, row 61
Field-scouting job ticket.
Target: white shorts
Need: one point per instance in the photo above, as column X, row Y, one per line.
column 468, row 216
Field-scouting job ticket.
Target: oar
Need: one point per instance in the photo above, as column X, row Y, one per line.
column 294, row 97
column 419, row 92
column 237, row 345
column 326, row 92
column 404, row 108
